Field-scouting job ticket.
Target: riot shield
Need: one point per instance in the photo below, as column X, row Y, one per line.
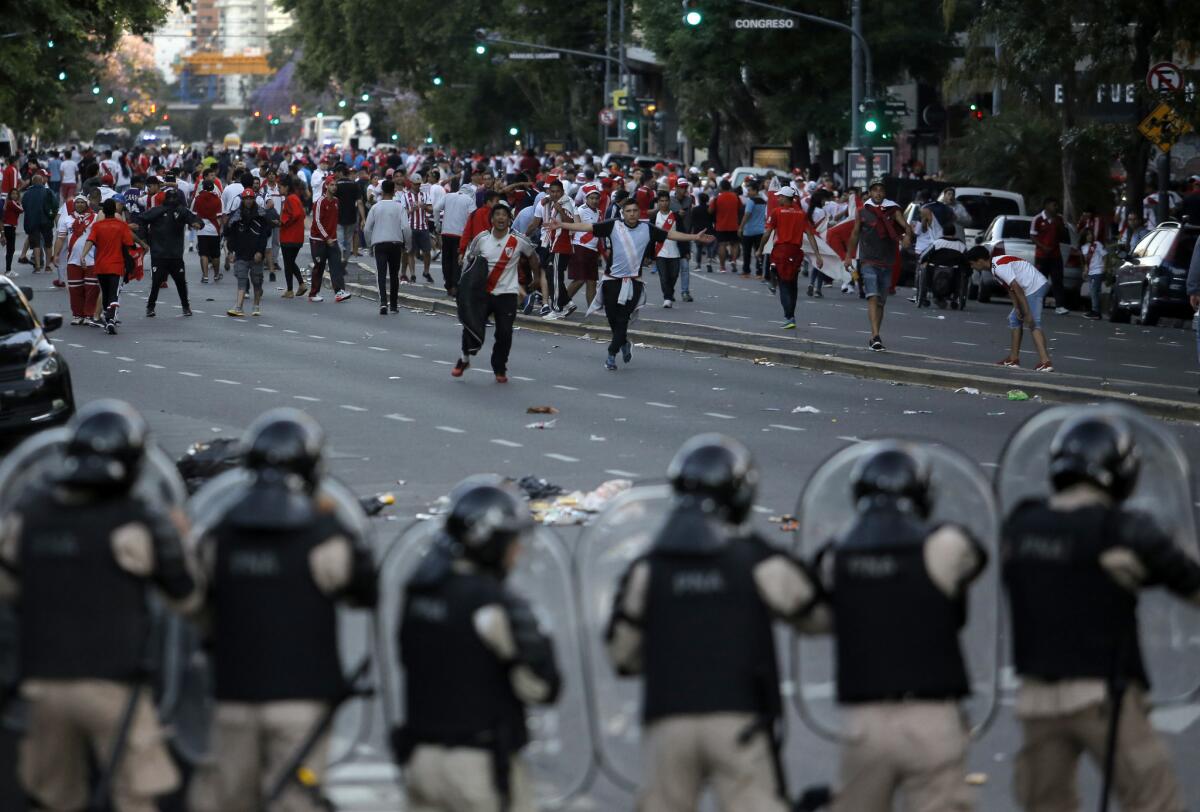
column 1170, row 632
column 559, row 754
column 190, row 690
column 961, row 495
column 40, row 458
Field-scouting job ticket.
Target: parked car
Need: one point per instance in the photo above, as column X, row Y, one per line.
column 35, row 382
column 985, row 205
column 1009, row 234
column 1151, row 281
column 740, row 173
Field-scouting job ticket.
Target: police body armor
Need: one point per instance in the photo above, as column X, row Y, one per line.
column 1088, row 609
column 457, row 692
column 898, row 636
column 896, row 631
column 708, row 645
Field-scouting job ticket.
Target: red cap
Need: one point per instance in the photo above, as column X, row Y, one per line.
column 659, row 166
column 247, row 192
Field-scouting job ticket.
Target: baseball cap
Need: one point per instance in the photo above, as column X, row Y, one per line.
column 682, row 184
column 787, row 191
column 875, row 182
column 247, row 193
column 591, row 189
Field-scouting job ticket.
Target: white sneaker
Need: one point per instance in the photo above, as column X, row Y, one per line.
column 317, row 298
column 668, row 304
column 1062, row 311
column 552, row 315
column 342, row 296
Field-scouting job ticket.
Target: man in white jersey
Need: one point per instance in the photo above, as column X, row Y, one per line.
column 584, row 267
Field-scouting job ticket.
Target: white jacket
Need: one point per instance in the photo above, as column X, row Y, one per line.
column 387, row 221
column 455, row 209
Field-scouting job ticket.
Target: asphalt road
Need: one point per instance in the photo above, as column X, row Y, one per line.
column 398, row 422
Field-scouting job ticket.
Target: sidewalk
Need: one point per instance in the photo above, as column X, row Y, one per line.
column 696, row 328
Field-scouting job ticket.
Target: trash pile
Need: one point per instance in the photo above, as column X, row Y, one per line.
column 548, row 504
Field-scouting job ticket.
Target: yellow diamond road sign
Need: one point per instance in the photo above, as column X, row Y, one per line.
column 1163, row 127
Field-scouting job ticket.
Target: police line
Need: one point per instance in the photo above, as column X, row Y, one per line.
column 595, row 727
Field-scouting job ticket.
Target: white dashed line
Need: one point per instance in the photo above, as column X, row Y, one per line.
column 260, row 324
column 76, row 346
column 343, row 341
column 306, row 398
column 915, row 338
column 607, row 395
column 446, row 363
column 101, row 352
column 350, row 408
column 1139, row 366
column 561, row 457
column 1078, row 358
column 410, row 355
column 658, row 405
column 156, row 366
column 720, row 416
column 227, row 381
column 190, row 374
column 399, row 418
column 850, row 439
column 125, row 358
column 293, row 332
column 378, row 349
column 506, row 443
column 522, row 378
column 266, row 389
column 786, row 428
column 1114, row 338
column 450, row 429
column 980, row 323
column 1065, row 333
column 566, row 388
column 620, row 473
column 965, row 344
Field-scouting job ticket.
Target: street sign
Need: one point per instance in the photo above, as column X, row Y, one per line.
column 856, row 164
column 896, row 108
column 1163, row 127
column 1164, row 77
column 608, row 117
column 620, row 99
column 535, row 55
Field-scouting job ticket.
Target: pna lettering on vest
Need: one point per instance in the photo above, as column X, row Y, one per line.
column 431, row 609
column 698, row 582
column 254, row 563
column 872, row 566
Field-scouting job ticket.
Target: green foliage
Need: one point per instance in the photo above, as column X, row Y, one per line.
column 31, row 96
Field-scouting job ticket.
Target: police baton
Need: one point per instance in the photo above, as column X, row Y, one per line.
column 99, row 801
column 295, row 770
column 1117, row 683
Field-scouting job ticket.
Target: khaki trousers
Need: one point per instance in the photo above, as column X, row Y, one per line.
column 1045, row 773
column 251, row 745
column 917, row 749
column 459, row 779
column 70, row 719
column 682, row 754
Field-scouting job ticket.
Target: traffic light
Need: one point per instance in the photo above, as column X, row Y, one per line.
column 395, row 136
column 49, row 43
column 480, row 48
column 258, row 114
column 109, row 100
column 341, row 102
column 320, row 114
column 631, row 124
column 437, row 81
column 125, row 107
column 62, row 76
column 153, row 108
column 976, row 112
column 429, row 139
column 366, row 97
column 295, row 108
column 95, row 90
column 692, row 15
column 514, row 131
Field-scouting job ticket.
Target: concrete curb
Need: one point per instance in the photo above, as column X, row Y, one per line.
column 1046, row 389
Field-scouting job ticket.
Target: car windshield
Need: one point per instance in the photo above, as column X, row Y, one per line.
column 1015, row 229
column 985, row 209
column 14, row 316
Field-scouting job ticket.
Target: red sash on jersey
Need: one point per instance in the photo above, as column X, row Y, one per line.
column 78, row 227
column 510, row 248
column 667, row 225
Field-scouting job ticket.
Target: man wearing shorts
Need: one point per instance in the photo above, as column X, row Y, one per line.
column 877, row 235
column 248, row 235
column 726, row 209
column 1027, row 288
column 584, row 267
column 207, row 206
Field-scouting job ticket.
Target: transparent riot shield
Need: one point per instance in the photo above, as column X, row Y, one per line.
column 1170, row 630
column 559, row 754
column 40, row 458
column 961, row 495
column 190, row 710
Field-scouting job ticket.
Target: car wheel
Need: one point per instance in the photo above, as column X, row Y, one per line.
column 1148, row 315
column 1116, row 313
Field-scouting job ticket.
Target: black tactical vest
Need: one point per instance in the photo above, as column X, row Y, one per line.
column 707, row 645
column 457, row 691
column 274, row 631
column 82, row 616
column 896, row 632
column 1070, row 620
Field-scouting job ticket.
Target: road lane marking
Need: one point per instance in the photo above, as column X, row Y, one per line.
column 561, row 457
column 656, row 404
column 850, row 439
column 607, row 395
column 294, row 332
column 720, row 416
column 981, row 323
column 350, row 408
column 966, row 344
column 446, row 363
column 156, row 366
column 306, row 398
column 450, row 430
column 522, row 378
column 191, row 374
column 786, row 428
column 344, row 341
column 410, row 355
column 319, row 338
column 620, row 473
column 378, row 349
column 77, row 346
column 125, row 358
column 266, row 389
column 506, row 443
column 227, row 381
column 1065, row 333
column 566, row 388
column 1139, row 366
column 916, row 338
column 399, row 418
column 1078, row 358
column 101, row 352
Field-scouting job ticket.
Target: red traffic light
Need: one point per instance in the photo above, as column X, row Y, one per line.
column 978, row 115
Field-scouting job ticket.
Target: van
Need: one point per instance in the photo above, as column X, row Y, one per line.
column 985, row 205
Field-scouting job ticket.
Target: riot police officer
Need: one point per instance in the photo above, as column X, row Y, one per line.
column 1073, row 565
column 896, row 584
column 279, row 559
column 474, row 657
column 79, row 555
column 693, row 616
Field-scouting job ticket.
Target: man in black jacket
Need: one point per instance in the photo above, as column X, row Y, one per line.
column 166, row 225
column 247, row 234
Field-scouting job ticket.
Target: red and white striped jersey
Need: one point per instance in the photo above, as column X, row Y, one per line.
column 417, row 215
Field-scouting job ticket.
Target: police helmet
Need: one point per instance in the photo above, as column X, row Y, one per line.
column 896, row 475
column 717, row 472
column 486, row 516
column 285, row 442
column 1098, row 450
column 105, row 447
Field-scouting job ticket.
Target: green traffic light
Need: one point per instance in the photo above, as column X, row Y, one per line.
column 631, row 125
column 49, row 43
column 437, row 80
column 366, row 97
column 62, row 76
column 395, row 136
column 429, row 139
column 481, row 49
column 342, row 103
column 693, row 18
column 870, row 125
column 95, row 90
column 109, row 100
column 513, row 131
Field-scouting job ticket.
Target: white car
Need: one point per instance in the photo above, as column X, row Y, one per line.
column 985, row 205
column 1009, row 235
column 740, row 173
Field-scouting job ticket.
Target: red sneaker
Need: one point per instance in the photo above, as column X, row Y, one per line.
column 459, row 368
column 1009, row 362
column 501, row 378
column 1044, row 366
column 58, row 283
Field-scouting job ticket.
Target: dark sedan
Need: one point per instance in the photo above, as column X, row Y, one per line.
column 35, row 383
column 1151, row 281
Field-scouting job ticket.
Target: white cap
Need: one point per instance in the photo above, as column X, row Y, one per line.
column 787, row 191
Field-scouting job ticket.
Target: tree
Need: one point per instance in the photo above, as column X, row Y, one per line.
column 32, row 95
